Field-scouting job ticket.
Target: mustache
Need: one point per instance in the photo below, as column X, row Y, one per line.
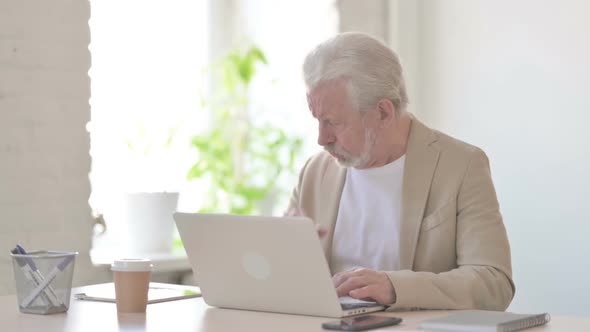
column 332, row 148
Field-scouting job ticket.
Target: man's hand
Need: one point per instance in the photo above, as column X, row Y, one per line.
column 365, row 284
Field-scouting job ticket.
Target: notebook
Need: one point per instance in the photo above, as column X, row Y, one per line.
column 484, row 321
column 157, row 293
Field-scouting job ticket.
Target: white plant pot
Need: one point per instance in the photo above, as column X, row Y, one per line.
column 267, row 205
column 150, row 224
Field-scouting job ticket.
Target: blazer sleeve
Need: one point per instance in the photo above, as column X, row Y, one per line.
column 483, row 277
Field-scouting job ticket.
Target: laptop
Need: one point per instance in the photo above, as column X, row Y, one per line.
column 273, row 264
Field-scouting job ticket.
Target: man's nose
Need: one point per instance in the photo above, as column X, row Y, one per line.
column 325, row 136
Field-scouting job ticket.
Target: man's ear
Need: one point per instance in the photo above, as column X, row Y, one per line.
column 387, row 114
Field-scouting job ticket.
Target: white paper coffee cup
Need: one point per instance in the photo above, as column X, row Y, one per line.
column 132, row 280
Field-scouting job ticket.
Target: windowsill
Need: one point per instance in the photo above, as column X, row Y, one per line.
column 175, row 261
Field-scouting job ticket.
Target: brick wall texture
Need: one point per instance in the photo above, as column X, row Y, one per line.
column 44, row 144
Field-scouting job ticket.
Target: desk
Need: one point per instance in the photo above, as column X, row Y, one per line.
column 194, row 315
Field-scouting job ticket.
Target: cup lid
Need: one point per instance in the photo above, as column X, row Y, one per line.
column 132, row 265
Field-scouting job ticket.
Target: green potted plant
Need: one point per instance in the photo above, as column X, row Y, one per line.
column 240, row 158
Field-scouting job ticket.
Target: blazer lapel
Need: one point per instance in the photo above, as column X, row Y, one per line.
column 421, row 160
column 330, row 203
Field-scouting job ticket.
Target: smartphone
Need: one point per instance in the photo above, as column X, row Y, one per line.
column 361, row 323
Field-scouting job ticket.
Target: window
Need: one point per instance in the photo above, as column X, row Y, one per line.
column 147, row 72
column 147, row 78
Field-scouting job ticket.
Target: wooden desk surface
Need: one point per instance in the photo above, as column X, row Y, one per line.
column 195, row 315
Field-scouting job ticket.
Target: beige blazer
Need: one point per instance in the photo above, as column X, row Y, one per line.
column 453, row 248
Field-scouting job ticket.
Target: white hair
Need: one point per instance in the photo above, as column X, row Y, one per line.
column 372, row 70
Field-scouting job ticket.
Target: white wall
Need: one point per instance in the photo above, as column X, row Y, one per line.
column 512, row 77
column 353, row 16
column 44, row 160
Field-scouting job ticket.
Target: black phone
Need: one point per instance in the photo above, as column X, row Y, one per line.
column 361, row 323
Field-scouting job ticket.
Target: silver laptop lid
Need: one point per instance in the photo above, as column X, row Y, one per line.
column 259, row 263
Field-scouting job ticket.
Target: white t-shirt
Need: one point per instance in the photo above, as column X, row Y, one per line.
column 367, row 227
